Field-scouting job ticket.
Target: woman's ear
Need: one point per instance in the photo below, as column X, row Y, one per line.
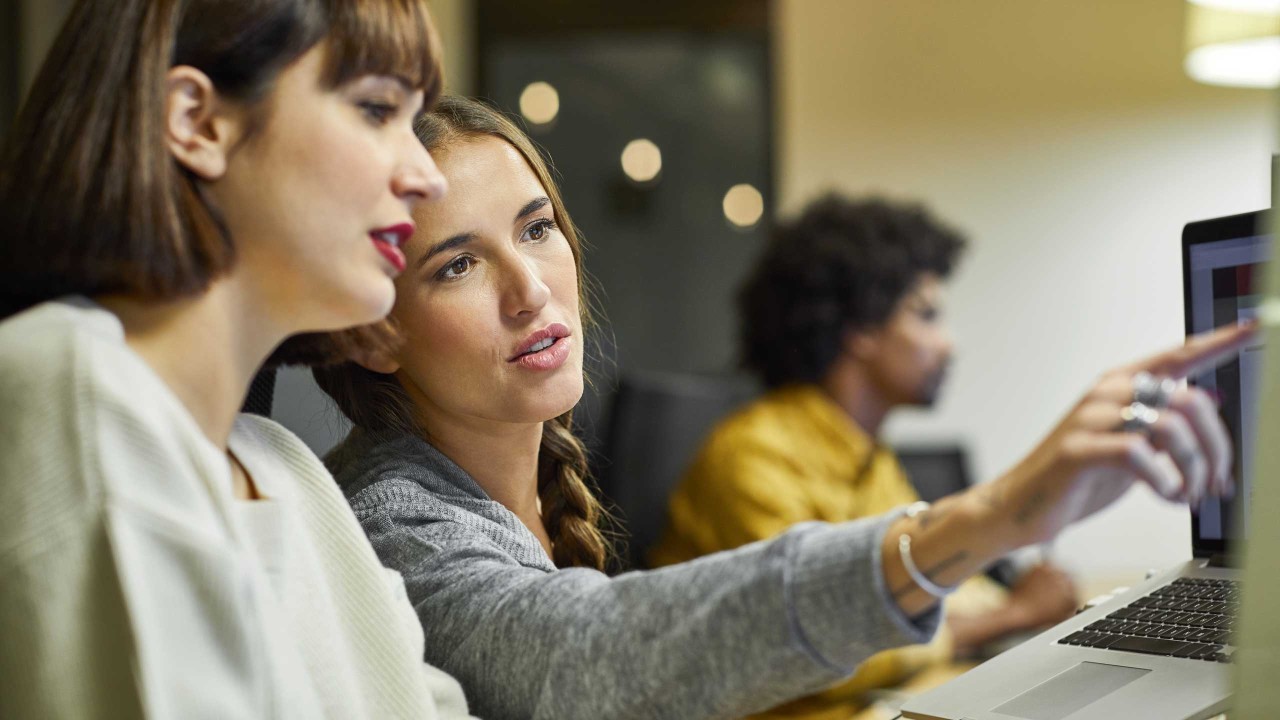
column 200, row 128
column 378, row 361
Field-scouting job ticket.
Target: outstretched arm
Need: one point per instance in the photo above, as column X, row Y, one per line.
column 721, row 636
column 1087, row 462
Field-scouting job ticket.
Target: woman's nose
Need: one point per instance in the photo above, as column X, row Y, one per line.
column 418, row 179
column 525, row 292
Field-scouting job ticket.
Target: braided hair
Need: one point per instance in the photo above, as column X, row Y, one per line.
column 378, row 404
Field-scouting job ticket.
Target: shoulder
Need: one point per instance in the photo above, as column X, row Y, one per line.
column 46, row 348
column 388, row 487
column 399, row 469
column 86, row 420
column 414, row 501
column 67, row 378
column 773, row 425
column 66, row 362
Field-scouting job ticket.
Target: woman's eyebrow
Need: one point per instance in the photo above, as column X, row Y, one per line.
column 451, row 243
column 531, row 207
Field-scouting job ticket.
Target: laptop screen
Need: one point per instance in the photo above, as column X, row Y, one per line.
column 1222, row 272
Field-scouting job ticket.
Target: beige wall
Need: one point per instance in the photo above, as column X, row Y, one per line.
column 455, row 20
column 1066, row 140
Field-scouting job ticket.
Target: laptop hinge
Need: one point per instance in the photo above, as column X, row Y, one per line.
column 1221, row 560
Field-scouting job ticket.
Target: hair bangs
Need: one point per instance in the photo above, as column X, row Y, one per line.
column 395, row 38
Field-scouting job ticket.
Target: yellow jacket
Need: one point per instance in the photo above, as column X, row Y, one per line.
column 794, row 456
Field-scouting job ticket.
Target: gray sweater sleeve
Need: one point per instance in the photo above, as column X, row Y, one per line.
column 721, row 636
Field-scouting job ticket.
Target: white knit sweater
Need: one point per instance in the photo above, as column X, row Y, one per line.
column 132, row 583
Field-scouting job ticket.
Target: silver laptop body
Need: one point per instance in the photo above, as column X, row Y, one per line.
column 1047, row 679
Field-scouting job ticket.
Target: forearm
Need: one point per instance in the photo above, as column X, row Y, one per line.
column 956, row 538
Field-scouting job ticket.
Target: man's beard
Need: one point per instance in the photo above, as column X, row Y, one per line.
column 931, row 389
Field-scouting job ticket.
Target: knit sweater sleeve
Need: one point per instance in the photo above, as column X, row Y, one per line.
column 721, row 636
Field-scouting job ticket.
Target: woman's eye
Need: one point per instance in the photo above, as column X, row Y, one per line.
column 378, row 112
column 458, row 267
column 538, row 231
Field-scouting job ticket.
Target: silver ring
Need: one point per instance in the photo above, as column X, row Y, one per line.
column 1138, row 418
column 1152, row 391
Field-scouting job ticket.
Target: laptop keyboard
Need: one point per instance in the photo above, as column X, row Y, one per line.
column 1188, row 618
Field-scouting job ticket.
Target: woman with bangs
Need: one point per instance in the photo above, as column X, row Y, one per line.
column 189, row 183
column 463, row 469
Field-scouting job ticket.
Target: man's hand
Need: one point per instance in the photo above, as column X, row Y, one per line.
column 1043, row 596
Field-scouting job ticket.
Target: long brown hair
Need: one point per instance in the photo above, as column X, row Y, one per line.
column 377, row 403
column 91, row 200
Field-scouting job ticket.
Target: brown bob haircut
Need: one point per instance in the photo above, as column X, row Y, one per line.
column 91, row 200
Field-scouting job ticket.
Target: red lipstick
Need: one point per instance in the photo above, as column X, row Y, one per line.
column 389, row 240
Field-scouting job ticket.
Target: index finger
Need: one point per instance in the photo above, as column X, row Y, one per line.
column 1200, row 352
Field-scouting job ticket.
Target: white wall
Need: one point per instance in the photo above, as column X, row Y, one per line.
column 1064, row 138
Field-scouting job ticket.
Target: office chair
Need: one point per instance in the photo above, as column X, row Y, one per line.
column 261, row 394
column 655, row 427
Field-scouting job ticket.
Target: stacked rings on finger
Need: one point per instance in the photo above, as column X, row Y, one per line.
column 1152, row 391
column 1138, row 418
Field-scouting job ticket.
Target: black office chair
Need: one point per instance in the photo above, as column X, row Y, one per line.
column 655, row 427
column 262, row 392
column 935, row 471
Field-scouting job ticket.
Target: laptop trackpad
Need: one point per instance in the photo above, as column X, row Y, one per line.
column 1070, row 691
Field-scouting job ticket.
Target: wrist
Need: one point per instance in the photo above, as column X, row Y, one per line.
column 987, row 507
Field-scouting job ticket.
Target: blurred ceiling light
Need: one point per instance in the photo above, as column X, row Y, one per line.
column 743, row 205
column 641, row 160
column 539, row 103
column 1234, row 42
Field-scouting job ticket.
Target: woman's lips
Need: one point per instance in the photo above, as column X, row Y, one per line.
column 554, row 331
column 389, row 240
column 548, row 358
column 392, row 253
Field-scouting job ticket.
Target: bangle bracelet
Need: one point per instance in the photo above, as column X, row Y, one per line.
column 904, row 551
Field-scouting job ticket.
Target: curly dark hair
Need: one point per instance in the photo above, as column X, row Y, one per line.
column 843, row 264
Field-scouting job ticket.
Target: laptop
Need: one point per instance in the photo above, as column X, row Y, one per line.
column 1163, row 650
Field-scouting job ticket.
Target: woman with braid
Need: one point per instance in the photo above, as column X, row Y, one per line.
column 463, row 470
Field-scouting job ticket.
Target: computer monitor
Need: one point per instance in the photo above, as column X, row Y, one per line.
column 1224, row 260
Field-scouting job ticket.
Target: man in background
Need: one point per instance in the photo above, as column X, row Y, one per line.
column 841, row 319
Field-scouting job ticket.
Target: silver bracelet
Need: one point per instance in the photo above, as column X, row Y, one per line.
column 904, row 551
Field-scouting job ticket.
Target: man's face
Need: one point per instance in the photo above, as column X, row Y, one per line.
column 907, row 357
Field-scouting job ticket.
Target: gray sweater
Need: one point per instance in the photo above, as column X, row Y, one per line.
column 721, row 636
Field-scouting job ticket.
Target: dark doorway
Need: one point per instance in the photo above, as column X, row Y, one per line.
column 694, row 80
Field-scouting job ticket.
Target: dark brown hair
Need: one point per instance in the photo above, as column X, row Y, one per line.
column 377, row 403
column 91, row 200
